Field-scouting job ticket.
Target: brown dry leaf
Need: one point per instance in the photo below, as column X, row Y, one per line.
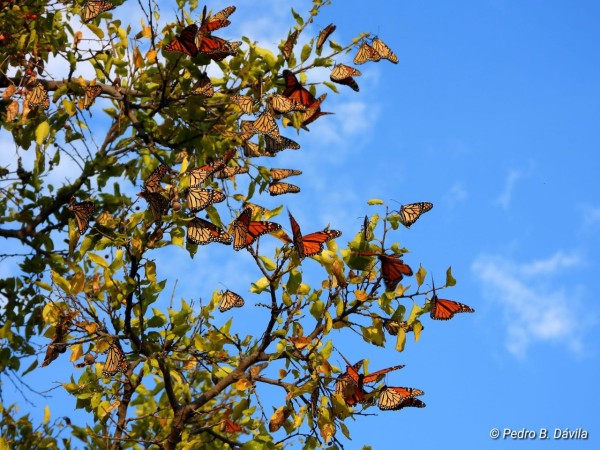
column 77, row 38
column 278, row 418
column 12, row 110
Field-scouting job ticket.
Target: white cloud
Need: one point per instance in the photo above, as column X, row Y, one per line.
column 591, row 217
column 505, row 197
column 535, row 308
column 456, row 194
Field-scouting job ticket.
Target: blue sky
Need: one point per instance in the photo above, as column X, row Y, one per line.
column 493, row 115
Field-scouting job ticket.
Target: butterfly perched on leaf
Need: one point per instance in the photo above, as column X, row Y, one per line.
column 152, row 183
column 244, row 102
column 230, row 300
column 394, row 326
column 282, row 104
column 37, row 95
column 342, row 74
column 83, row 212
column 279, row 143
column 90, row 94
column 246, row 230
column 383, row 50
column 200, row 174
column 204, row 87
column 159, row 205
column 288, row 45
column 93, row 9
column 265, row 124
column 116, row 361
column 324, row 34
column 280, row 174
column 311, row 244
column 393, row 398
column 280, row 188
column 228, row 172
column 441, row 309
column 411, row 212
column 203, row 232
column 366, row 53
column 393, row 269
column 185, row 42
column 198, row 198
column 295, row 91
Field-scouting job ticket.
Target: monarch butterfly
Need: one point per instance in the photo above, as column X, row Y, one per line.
column 185, row 42
column 279, row 143
column 366, row 53
column 383, row 50
column 91, row 92
column 280, row 188
column 295, row 91
column 82, row 212
column 93, row 9
column 324, row 34
column 229, row 172
column 252, row 149
column 352, row 371
column 343, row 74
column 230, row 426
column 230, row 300
column 199, row 199
column 411, row 212
column 265, row 124
column 288, row 45
column 280, row 174
column 445, row 309
column 310, row 244
column 38, row 96
column 215, row 47
column 204, row 87
column 282, row 104
column 159, row 205
column 246, row 231
column 247, row 129
column 393, row 326
column 244, row 102
column 202, row 232
column 152, row 183
column 116, row 361
column 350, row 391
column 199, row 175
column 313, row 112
column 393, row 398
column 392, row 270
column 219, row 20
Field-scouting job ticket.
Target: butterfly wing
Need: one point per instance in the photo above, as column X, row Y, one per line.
column 279, row 143
column 152, row 183
column 393, row 270
column 314, row 242
column 324, row 34
column 280, row 174
column 384, row 51
column 91, row 92
column 202, row 232
column 282, row 104
column 288, row 45
column 280, row 188
column 376, row 376
column 228, row 172
column 216, row 21
column 411, row 212
column 246, row 231
column 185, row 42
column 116, row 361
column 82, row 212
column 395, row 398
column 230, row 300
column 295, row 91
column 343, row 74
column 366, row 53
column 204, row 87
column 445, row 309
column 38, row 96
column 244, row 102
column 297, row 237
column 93, row 9
column 265, row 124
column 159, row 205
column 199, row 198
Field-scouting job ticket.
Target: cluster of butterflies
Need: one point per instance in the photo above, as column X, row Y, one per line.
column 351, row 387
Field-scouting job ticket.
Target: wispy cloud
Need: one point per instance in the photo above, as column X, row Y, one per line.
column 591, row 217
column 506, row 196
column 456, row 194
column 535, row 308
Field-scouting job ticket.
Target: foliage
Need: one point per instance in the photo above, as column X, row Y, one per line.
column 183, row 376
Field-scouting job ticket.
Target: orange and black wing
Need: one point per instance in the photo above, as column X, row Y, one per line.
column 324, row 34
column 343, row 74
column 230, row 300
column 152, row 183
column 83, row 212
column 116, row 361
column 185, row 42
column 445, row 309
column 366, row 53
column 376, row 376
column 295, row 91
column 159, row 205
column 202, row 232
column 383, row 50
column 411, row 212
column 246, row 231
column 280, row 188
column 93, row 9
column 198, row 198
column 91, row 92
column 393, row 270
column 393, row 398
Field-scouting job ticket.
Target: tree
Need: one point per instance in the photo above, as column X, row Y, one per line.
column 176, row 373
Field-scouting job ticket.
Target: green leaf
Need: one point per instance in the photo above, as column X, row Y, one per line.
column 41, row 132
column 268, row 263
column 450, row 280
column 420, row 275
column 306, row 51
column 400, row 340
column 151, row 271
column 298, row 17
column 98, row 260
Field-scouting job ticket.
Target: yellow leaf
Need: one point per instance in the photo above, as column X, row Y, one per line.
column 151, row 56
column 46, row 414
column 138, row 58
column 361, row 296
column 243, row 384
column 147, row 32
column 327, row 431
column 41, row 132
column 282, row 373
column 76, row 352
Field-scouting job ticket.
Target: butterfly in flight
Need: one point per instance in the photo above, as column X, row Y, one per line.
column 311, row 244
column 246, row 230
column 83, row 212
column 116, row 360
